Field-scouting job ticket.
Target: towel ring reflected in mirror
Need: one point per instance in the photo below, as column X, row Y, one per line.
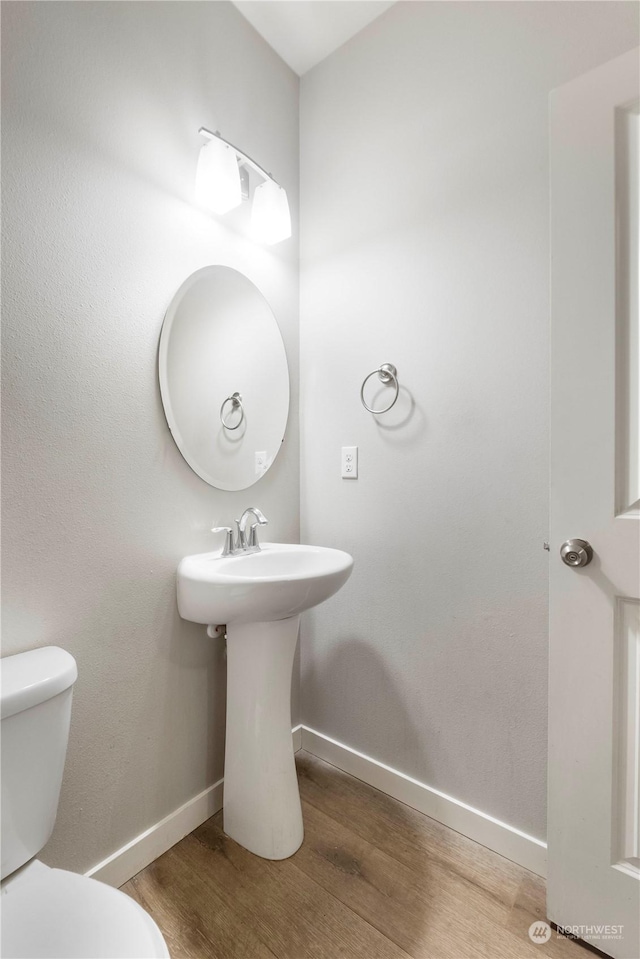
column 236, row 403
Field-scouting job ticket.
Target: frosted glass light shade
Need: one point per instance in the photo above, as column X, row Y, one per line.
column 270, row 217
column 218, row 178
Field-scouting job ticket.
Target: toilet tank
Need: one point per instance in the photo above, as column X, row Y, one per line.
column 35, row 699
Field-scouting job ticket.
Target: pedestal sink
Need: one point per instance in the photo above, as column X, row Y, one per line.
column 260, row 596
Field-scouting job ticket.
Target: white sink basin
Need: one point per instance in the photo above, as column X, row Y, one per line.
column 279, row 581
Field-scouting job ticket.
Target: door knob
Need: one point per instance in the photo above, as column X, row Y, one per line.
column 576, row 552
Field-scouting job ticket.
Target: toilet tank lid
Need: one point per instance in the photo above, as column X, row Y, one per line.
column 30, row 678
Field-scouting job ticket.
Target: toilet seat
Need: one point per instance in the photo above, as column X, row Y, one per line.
column 55, row 914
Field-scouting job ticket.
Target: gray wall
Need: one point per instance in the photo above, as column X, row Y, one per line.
column 424, row 189
column 101, row 107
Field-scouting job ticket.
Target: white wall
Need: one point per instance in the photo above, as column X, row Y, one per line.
column 424, row 191
column 101, row 107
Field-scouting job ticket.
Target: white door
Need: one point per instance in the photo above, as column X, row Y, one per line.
column 594, row 708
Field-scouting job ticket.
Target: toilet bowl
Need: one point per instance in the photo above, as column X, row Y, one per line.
column 51, row 913
column 61, row 915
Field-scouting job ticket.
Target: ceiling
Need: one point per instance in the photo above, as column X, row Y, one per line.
column 304, row 32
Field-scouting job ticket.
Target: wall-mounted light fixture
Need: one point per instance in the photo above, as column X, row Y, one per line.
column 222, row 182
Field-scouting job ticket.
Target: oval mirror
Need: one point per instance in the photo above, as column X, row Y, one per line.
column 224, row 378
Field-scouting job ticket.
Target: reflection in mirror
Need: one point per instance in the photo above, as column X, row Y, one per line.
column 224, row 378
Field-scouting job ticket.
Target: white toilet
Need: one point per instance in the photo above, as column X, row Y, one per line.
column 51, row 913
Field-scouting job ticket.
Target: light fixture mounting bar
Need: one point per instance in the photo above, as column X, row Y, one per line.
column 242, row 156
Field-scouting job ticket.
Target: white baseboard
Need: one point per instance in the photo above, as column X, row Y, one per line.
column 506, row 840
column 124, row 863
column 531, row 853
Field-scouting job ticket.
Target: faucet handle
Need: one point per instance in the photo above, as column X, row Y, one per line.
column 227, row 549
column 253, row 536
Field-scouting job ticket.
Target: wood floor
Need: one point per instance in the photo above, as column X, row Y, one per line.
column 374, row 879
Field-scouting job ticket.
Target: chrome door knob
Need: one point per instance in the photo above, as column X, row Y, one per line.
column 576, row 552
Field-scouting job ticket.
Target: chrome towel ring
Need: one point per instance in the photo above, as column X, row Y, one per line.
column 236, row 402
column 387, row 373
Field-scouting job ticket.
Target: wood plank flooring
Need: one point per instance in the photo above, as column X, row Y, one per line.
column 374, row 879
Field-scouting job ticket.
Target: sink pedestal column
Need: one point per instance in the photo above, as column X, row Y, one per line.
column 262, row 808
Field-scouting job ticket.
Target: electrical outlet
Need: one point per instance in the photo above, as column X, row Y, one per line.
column 349, row 462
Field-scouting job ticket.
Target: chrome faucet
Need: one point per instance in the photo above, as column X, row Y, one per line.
column 242, row 543
column 251, row 544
